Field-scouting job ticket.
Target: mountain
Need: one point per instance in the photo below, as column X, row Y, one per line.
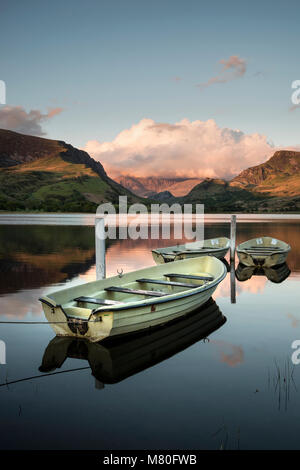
column 151, row 185
column 279, row 176
column 273, row 186
column 50, row 175
column 163, row 196
column 219, row 196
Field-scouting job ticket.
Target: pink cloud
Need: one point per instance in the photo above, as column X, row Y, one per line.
column 186, row 148
column 233, row 68
column 16, row 118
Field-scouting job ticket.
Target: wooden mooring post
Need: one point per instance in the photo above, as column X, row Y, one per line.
column 232, row 237
column 232, row 259
column 100, row 247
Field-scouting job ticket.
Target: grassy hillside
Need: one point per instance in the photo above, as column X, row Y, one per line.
column 45, row 175
column 279, row 176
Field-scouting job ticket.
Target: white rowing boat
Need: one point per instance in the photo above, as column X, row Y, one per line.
column 263, row 251
column 217, row 247
column 114, row 360
column 136, row 301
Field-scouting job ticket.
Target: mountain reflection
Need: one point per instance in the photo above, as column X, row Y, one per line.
column 36, row 256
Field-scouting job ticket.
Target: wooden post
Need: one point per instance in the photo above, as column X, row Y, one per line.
column 232, row 259
column 232, row 237
column 100, row 248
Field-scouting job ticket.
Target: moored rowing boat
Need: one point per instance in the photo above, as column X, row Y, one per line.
column 263, row 251
column 217, row 247
column 135, row 301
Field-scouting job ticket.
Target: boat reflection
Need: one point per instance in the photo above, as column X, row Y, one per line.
column 115, row 359
column 276, row 274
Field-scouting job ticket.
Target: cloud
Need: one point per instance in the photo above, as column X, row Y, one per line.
column 295, row 106
column 15, row 118
column 230, row 354
column 233, row 68
column 186, row 148
column 294, row 320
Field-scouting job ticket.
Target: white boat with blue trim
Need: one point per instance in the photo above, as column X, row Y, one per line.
column 138, row 300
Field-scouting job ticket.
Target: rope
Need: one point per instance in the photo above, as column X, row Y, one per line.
column 40, row 376
column 45, row 322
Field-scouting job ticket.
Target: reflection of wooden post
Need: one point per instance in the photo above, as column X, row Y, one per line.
column 232, row 237
column 232, row 258
column 100, row 248
column 232, row 282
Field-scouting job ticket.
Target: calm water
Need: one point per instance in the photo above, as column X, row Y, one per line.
column 169, row 389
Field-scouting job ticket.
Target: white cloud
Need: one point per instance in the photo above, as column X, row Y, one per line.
column 195, row 149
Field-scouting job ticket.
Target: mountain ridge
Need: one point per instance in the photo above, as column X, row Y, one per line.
column 44, row 174
column 38, row 174
column 152, row 185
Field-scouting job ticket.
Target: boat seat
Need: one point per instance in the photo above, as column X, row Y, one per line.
column 94, row 300
column 168, row 283
column 190, row 276
column 262, row 252
column 257, row 247
column 125, row 290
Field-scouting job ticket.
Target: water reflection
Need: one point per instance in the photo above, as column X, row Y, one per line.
column 232, row 379
column 276, row 274
column 113, row 360
column 32, row 257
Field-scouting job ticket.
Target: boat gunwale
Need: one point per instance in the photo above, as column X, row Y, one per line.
column 165, row 298
column 135, row 304
column 163, row 251
column 285, row 249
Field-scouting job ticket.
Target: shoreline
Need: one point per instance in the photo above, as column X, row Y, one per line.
column 89, row 219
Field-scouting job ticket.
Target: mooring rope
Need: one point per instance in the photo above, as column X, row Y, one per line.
column 45, row 375
column 46, row 322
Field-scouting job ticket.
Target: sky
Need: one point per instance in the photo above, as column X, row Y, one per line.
column 148, row 86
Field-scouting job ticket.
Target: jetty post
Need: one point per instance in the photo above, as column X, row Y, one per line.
column 232, row 237
column 100, row 247
column 232, row 259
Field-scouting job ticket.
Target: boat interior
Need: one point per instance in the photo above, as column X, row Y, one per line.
column 209, row 245
column 171, row 283
column 263, row 246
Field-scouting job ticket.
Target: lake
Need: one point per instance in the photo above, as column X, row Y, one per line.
column 230, row 385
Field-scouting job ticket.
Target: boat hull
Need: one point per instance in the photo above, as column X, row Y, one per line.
column 115, row 359
column 217, row 247
column 263, row 251
column 95, row 325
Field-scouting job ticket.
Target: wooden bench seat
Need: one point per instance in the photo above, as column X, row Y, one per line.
column 190, row 276
column 94, row 300
column 125, row 290
column 257, row 247
column 168, row 283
